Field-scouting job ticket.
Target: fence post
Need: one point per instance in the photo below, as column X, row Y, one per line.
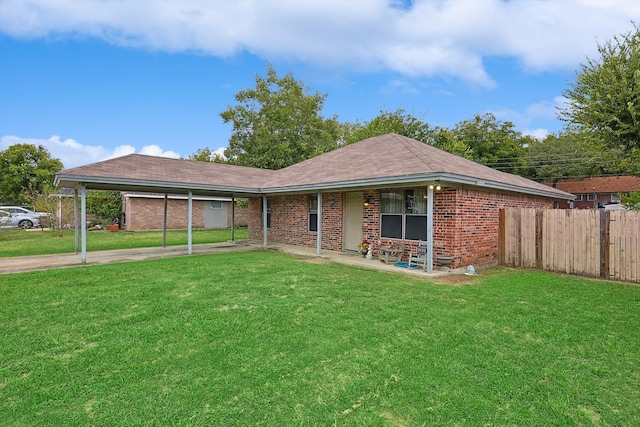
column 604, row 243
column 539, row 224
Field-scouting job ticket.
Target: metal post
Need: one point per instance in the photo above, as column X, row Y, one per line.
column 75, row 218
column 190, row 224
column 83, row 214
column 428, row 265
column 264, row 220
column 319, row 219
column 233, row 218
column 164, row 223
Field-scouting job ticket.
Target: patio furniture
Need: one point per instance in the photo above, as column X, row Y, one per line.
column 418, row 256
column 391, row 254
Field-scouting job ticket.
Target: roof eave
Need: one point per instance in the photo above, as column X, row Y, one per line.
column 417, row 179
column 116, row 184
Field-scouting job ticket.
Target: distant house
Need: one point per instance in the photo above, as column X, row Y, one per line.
column 592, row 193
column 385, row 188
column 145, row 211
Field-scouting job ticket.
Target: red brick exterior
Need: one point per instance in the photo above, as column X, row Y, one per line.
column 465, row 221
column 148, row 214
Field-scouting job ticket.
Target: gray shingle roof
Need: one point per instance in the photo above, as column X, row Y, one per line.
column 384, row 160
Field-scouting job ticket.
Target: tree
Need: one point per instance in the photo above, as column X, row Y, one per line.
column 487, row 141
column 631, row 201
column 26, row 170
column 105, row 206
column 206, row 155
column 278, row 123
column 398, row 121
column 605, row 99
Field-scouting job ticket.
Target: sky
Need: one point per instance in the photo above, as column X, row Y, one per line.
column 95, row 79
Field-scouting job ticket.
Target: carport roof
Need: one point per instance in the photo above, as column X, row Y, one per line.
column 382, row 161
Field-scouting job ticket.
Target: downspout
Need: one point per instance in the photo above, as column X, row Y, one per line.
column 428, row 265
column 319, row 226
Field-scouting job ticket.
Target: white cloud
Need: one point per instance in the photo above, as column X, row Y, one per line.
column 536, row 133
column 445, row 38
column 72, row 154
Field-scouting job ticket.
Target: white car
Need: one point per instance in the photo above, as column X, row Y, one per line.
column 17, row 216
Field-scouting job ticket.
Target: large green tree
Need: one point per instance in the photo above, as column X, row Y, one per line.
column 398, row 121
column 486, row 140
column 605, row 98
column 26, row 170
column 278, row 123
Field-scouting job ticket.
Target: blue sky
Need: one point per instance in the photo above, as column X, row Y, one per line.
column 92, row 80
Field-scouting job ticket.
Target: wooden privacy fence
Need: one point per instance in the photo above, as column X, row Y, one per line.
column 586, row 242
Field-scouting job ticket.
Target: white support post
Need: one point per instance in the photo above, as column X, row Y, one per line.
column 83, row 214
column 264, row 220
column 428, row 265
column 164, row 223
column 319, row 226
column 233, row 219
column 76, row 219
column 190, row 225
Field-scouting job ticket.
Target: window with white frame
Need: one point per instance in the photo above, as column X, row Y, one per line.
column 591, row 197
column 404, row 214
column 578, row 197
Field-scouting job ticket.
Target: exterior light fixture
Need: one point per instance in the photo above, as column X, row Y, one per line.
column 436, row 186
column 367, row 201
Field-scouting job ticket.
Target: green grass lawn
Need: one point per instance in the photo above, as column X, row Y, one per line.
column 37, row 242
column 263, row 338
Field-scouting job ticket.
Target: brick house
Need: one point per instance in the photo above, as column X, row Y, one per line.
column 388, row 187
column 145, row 211
column 596, row 192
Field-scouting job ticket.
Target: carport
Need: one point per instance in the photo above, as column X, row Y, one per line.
column 140, row 173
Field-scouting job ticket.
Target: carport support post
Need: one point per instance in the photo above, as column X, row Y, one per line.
column 75, row 217
column 83, row 214
column 164, row 223
column 429, row 264
column 190, row 224
column 233, row 218
column 264, row 220
column 319, row 226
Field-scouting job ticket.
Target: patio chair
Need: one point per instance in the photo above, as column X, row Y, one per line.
column 391, row 253
column 418, row 256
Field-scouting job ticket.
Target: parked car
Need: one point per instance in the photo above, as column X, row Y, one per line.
column 22, row 220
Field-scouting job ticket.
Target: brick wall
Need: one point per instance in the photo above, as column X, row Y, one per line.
column 465, row 222
column 290, row 221
column 148, row 214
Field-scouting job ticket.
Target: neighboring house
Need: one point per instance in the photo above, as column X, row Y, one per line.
column 596, row 192
column 145, row 211
column 384, row 188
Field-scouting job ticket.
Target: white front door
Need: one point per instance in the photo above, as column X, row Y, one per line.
column 352, row 220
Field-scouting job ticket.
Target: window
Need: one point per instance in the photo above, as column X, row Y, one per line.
column 216, row 204
column 578, row 197
column 615, row 197
column 591, row 197
column 268, row 213
column 313, row 212
column 403, row 214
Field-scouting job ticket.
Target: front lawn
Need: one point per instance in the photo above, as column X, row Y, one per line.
column 263, row 338
column 38, row 242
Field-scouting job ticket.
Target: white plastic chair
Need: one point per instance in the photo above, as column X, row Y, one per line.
column 418, row 256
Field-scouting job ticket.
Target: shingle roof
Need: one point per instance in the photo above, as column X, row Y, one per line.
column 394, row 157
column 382, row 160
column 607, row 184
column 148, row 172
